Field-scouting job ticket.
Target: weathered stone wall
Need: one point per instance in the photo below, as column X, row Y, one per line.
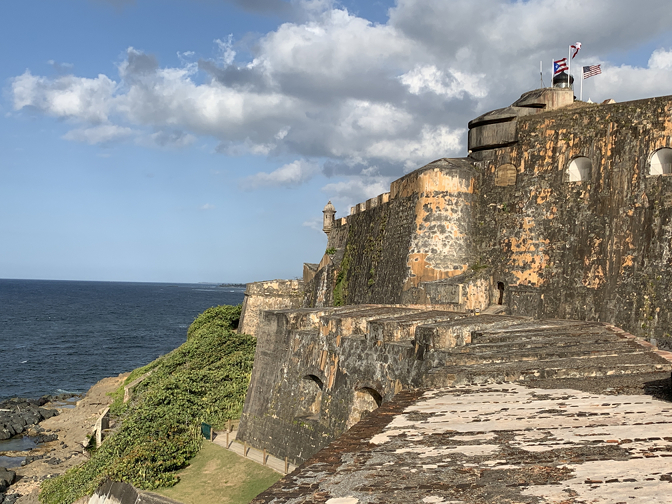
column 599, row 249
column 270, row 295
column 421, row 233
column 316, row 372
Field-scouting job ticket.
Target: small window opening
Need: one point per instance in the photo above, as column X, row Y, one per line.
column 579, row 169
column 500, row 287
column 309, row 398
column 364, row 402
column 661, row 162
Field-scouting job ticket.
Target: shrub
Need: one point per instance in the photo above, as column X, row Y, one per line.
column 204, row 380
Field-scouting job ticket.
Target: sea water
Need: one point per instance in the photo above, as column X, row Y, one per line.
column 62, row 336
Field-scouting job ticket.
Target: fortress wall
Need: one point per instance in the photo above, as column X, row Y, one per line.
column 441, row 240
column 269, row 295
column 309, row 385
column 420, row 232
column 599, row 249
column 373, row 267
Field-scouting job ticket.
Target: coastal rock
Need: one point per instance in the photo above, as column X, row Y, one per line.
column 7, row 477
column 18, row 415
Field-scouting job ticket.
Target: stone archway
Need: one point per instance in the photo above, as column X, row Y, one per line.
column 364, row 401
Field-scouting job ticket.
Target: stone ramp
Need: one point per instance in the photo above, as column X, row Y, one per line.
column 496, row 443
column 542, row 350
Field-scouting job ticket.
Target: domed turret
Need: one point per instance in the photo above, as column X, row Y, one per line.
column 328, row 219
column 563, row 80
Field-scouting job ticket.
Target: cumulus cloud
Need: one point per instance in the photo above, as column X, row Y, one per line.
column 289, row 175
column 331, row 86
column 207, row 206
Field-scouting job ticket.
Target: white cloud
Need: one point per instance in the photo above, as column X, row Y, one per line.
column 289, row 175
column 105, row 133
column 207, row 206
column 355, row 189
column 67, row 96
column 332, row 85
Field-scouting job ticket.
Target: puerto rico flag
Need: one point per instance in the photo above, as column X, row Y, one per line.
column 560, row 66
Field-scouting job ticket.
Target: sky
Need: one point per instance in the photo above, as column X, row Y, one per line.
column 199, row 141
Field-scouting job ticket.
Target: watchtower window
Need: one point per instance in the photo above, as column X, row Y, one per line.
column 579, row 169
column 505, row 175
column 661, row 162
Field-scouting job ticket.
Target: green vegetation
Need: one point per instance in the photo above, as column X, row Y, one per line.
column 341, row 287
column 330, row 251
column 204, row 380
column 219, row 476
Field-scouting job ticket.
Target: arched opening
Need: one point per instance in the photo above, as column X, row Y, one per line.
column 364, row 401
column 579, row 169
column 309, row 397
column 661, row 162
column 500, row 288
column 505, row 175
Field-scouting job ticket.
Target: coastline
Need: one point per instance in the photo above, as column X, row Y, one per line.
column 71, row 426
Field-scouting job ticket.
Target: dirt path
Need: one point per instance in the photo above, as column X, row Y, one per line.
column 71, row 425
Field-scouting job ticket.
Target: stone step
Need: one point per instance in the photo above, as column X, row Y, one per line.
column 546, row 342
column 645, row 362
column 494, row 310
column 457, row 333
column 542, row 325
column 548, row 334
column 542, row 354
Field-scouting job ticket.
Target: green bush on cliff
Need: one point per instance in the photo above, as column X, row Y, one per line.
column 204, row 380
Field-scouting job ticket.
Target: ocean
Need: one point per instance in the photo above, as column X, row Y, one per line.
column 64, row 336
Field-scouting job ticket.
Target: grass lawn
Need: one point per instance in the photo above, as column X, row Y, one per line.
column 219, row 476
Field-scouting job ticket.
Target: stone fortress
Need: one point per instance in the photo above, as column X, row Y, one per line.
column 516, row 264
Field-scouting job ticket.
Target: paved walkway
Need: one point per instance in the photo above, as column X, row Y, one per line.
column 253, row 454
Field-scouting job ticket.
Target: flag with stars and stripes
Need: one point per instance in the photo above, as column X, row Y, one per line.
column 589, row 71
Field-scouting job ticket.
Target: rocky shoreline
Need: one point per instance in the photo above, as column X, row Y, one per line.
column 59, row 426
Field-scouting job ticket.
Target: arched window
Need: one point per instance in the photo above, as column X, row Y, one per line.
column 661, row 162
column 579, row 169
column 364, row 401
column 505, row 175
column 309, row 397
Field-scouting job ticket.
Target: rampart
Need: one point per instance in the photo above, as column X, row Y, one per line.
column 562, row 210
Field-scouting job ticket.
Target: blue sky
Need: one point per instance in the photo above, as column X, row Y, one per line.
column 186, row 141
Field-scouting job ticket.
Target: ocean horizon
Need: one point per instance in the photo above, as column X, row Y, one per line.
column 62, row 336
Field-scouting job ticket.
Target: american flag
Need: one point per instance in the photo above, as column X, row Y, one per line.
column 560, row 66
column 589, row 71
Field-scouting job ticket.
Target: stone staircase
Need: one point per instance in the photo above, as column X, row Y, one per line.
column 550, row 349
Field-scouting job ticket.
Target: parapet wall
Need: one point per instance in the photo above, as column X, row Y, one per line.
column 270, row 295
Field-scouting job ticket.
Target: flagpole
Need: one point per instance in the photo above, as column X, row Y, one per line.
column 581, row 84
column 541, row 74
column 569, row 69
